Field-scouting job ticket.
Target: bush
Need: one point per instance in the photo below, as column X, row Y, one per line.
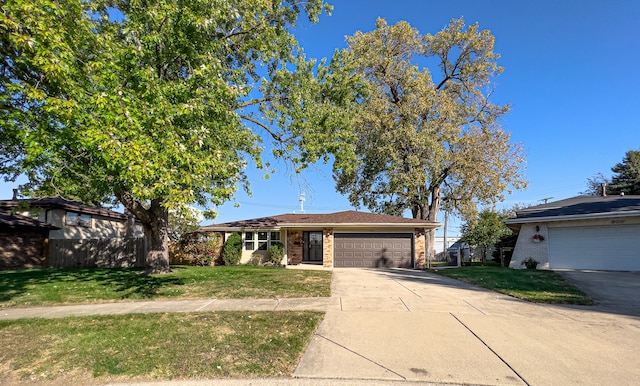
column 232, row 250
column 530, row 263
column 196, row 248
column 276, row 253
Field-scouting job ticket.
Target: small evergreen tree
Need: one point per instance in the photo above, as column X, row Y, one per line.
column 232, row 250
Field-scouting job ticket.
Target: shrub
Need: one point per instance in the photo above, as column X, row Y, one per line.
column 276, row 253
column 232, row 250
column 196, row 248
column 530, row 263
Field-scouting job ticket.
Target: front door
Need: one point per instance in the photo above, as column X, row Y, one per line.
column 312, row 247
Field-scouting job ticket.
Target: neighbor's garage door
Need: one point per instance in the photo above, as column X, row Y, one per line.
column 383, row 250
column 613, row 247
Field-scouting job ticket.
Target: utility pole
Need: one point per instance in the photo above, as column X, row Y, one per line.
column 446, row 252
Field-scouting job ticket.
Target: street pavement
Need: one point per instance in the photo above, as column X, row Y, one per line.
column 405, row 327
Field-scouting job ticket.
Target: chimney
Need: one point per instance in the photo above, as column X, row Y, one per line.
column 15, row 194
column 603, row 188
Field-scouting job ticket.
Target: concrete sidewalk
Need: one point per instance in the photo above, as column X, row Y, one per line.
column 311, row 304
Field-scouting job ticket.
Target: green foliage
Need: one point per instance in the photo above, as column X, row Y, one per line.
column 182, row 221
column 276, row 254
column 538, row 286
column 232, row 249
column 57, row 286
column 626, row 177
column 530, row 263
column 485, row 230
column 427, row 132
column 201, row 249
column 163, row 105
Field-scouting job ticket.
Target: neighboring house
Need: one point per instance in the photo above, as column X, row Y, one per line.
column 73, row 219
column 584, row 232
column 22, row 241
column 55, row 232
column 343, row 239
column 439, row 243
column 459, row 247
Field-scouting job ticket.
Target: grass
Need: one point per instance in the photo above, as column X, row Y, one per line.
column 536, row 286
column 57, row 286
column 96, row 349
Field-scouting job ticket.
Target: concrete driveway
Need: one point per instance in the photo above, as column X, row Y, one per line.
column 406, row 325
column 616, row 292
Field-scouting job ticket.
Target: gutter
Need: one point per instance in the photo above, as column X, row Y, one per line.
column 213, row 228
column 589, row 216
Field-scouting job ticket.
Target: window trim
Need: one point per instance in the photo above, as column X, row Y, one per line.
column 251, row 241
column 83, row 219
column 256, row 243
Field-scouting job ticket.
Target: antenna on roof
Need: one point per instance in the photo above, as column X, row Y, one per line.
column 301, row 199
column 546, row 199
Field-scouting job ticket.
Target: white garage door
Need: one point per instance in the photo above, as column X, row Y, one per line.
column 614, row 248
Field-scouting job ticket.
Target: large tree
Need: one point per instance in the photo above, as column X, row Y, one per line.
column 159, row 103
column 626, row 177
column 428, row 133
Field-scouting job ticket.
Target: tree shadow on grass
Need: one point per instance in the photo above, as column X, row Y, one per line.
column 108, row 283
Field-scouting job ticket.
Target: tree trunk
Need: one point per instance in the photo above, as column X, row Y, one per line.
column 155, row 222
column 429, row 213
column 157, row 234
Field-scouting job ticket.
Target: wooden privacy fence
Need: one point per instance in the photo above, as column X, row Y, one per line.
column 102, row 253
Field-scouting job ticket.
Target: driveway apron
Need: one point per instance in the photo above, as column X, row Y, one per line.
column 407, row 325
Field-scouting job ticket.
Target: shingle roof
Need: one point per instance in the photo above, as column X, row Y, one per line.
column 350, row 217
column 16, row 221
column 61, row 203
column 581, row 207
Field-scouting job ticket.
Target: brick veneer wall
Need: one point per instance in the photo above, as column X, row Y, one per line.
column 327, row 247
column 526, row 247
column 294, row 247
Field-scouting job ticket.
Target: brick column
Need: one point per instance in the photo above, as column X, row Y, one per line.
column 327, row 247
column 294, row 247
column 419, row 247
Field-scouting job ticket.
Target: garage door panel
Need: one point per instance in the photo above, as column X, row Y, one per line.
column 373, row 250
column 614, row 247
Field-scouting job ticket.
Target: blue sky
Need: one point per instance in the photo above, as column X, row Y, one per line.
column 570, row 74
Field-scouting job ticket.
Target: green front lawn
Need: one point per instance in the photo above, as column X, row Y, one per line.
column 57, row 286
column 537, row 286
column 138, row 347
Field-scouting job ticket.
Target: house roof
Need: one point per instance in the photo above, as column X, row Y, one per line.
column 579, row 208
column 61, row 203
column 16, row 221
column 346, row 218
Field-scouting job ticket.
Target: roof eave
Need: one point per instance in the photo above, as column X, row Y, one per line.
column 361, row 225
column 590, row 216
column 211, row 228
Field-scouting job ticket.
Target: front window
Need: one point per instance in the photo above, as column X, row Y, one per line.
column 249, row 244
column 78, row 219
column 275, row 238
column 263, row 240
